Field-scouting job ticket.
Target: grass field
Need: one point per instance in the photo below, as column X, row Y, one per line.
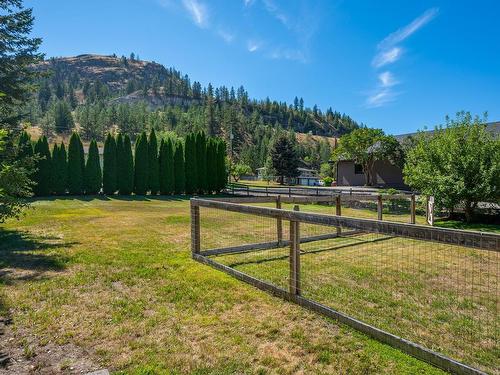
column 110, row 283
column 444, row 297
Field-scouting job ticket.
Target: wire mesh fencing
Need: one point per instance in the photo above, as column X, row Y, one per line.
column 431, row 292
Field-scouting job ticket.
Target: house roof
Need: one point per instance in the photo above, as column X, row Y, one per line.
column 493, row 127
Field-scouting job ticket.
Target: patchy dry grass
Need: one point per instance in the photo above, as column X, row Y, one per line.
column 442, row 296
column 114, row 281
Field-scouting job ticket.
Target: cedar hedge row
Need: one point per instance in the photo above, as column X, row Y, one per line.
column 197, row 165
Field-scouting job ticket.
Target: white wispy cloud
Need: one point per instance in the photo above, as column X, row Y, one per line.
column 248, row 3
column 198, row 12
column 403, row 33
column 275, row 11
column 253, row 45
column 389, row 52
column 387, row 57
column 227, row 36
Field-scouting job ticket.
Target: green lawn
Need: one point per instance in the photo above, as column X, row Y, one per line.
column 113, row 280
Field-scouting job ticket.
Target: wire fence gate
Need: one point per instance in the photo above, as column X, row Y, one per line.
column 430, row 292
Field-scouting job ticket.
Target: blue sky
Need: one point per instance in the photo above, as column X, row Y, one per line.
column 399, row 66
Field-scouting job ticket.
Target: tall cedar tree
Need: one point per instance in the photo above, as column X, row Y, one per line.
column 141, row 165
column 43, row 165
column 211, row 165
column 109, row 177
column 179, row 171
column 191, row 171
column 120, row 166
column 59, row 169
column 93, row 176
column 167, row 184
column 201, row 161
column 284, row 156
column 153, row 164
column 25, row 148
column 53, row 168
column 221, row 165
column 75, row 171
column 127, row 183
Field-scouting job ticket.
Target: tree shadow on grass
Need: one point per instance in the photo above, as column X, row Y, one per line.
column 26, row 257
column 145, row 198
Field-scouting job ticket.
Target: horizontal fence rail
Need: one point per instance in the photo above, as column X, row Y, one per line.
column 426, row 284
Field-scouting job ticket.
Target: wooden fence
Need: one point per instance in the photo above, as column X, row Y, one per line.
column 468, row 239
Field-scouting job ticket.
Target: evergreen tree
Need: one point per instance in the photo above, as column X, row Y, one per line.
column 59, row 170
column 284, row 156
column 127, row 179
column 43, row 175
column 75, row 170
column 167, row 173
column 211, row 165
column 190, row 160
column 25, row 148
column 109, row 177
column 179, row 172
column 141, row 165
column 201, row 161
column 63, row 120
column 153, row 164
column 221, row 165
column 93, row 176
column 120, row 165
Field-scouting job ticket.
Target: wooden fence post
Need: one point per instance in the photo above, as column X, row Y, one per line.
column 248, row 190
column 295, row 256
column 379, row 206
column 412, row 209
column 289, row 192
column 279, row 222
column 338, row 212
column 195, row 229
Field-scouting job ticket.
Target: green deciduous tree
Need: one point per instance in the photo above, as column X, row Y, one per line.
column 239, row 169
column 110, row 173
column 153, row 164
column 167, row 173
column 284, row 156
column 93, row 176
column 75, row 162
column 59, row 169
column 364, row 146
column 141, row 164
column 127, row 179
column 190, row 160
column 457, row 164
column 43, row 172
column 179, row 171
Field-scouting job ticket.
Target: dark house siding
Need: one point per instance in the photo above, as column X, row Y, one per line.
column 384, row 174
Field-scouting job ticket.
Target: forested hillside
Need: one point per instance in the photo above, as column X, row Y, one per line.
column 100, row 93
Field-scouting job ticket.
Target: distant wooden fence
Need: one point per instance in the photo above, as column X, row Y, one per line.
column 343, row 226
column 334, row 199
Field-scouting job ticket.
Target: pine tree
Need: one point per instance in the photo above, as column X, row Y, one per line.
column 167, row 173
column 190, row 159
column 75, row 171
column 25, row 148
column 59, row 170
column 141, row 165
column 153, row 164
column 43, row 173
column 201, row 161
column 109, row 177
column 284, row 156
column 93, row 176
column 127, row 185
column 179, row 172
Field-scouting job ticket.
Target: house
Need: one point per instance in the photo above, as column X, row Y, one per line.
column 307, row 177
column 384, row 174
